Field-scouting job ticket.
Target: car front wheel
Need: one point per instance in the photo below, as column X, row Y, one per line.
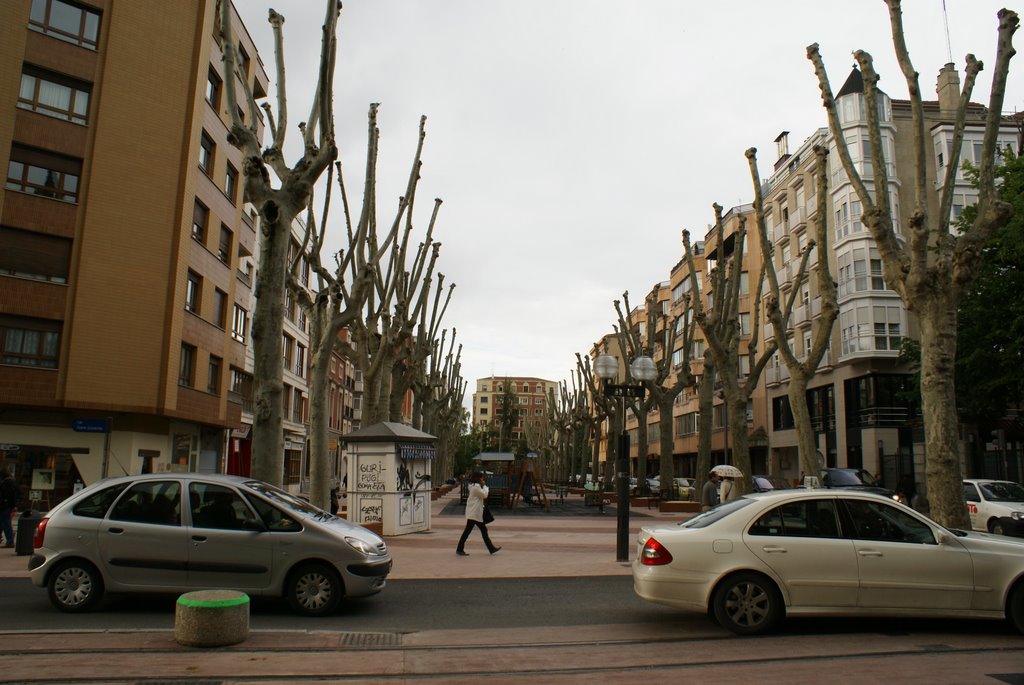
column 314, row 590
column 995, row 526
column 75, row 586
column 1015, row 608
column 747, row 604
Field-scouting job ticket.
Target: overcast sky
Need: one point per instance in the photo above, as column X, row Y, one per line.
column 573, row 140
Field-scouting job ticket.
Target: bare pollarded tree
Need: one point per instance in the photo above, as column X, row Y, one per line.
column 339, row 296
column 593, row 408
column 928, row 265
column 721, row 328
column 278, row 207
column 779, row 307
column 394, row 302
column 671, row 377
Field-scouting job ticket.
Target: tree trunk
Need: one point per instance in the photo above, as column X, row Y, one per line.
column 739, row 443
column 805, row 436
column 268, row 367
column 666, row 465
column 319, row 408
column 938, row 401
column 706, row 398
column 642, row 443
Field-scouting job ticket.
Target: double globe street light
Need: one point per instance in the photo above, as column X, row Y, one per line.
column 641, row 369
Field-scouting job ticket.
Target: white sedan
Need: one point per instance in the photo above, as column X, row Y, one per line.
column 752, row 561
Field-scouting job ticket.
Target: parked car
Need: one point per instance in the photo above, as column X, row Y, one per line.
column 769, row 483
column 996, row 506
column 752, row 561
column 178, row 532
column 855, row 479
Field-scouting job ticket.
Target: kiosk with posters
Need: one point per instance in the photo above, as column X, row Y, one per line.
column 389, row 477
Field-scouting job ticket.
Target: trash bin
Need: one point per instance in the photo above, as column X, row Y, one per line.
column 27, row 523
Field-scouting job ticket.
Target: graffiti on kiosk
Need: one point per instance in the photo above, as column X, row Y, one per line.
column 370, row 476
column 371, row 509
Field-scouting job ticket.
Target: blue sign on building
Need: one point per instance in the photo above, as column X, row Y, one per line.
column 91, row 425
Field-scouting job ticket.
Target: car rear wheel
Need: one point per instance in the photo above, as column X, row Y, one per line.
column 747, row 604
column 75, row 586
column 314, row 590
column 1015, row 607
column 995, row 527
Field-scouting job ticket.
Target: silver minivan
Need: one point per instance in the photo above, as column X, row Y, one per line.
column 178, row 532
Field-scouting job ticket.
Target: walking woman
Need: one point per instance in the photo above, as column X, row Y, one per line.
column 475, row 514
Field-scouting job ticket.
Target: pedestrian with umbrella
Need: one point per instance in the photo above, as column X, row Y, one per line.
column 727, row 489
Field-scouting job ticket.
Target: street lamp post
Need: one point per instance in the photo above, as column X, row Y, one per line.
column 607, row 368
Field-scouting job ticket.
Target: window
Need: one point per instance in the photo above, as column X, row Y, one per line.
column 300, row 360
column 27, row 254
column 745, row 324
column 193, row 292
column 878, row 521
column 200, row 219
column 806, row 519
column 53, row 95
column 206, row 149
column 30, row 342
column 887, row 328
column 240, row 324
column 66, row 21
column 298, row 406
column 243, row 60
column 213, row 85
column 43, row 173
column 187, row 365
column 215, row 506
column 483, row 400
column 288, row 345
column 744, row 283
column 213, row 375
column 220, row 307
column 224, row 246
column 241, row 385
column 231, row 183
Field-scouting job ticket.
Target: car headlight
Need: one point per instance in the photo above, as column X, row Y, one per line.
column 1017, row 515
column 363, row 546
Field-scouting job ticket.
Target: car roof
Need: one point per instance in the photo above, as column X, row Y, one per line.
column 187, row 475
column 987, row 480
column 803, row 493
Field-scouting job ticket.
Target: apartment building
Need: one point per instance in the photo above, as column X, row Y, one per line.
column 858, row 406
column 531, row 395
column 126, row 274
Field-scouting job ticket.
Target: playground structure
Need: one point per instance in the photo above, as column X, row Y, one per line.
column 510, row 481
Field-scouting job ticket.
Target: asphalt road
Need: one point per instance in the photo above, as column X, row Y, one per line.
column 403, row 606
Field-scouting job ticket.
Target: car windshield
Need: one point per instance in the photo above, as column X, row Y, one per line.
column 1003, row 491
column 850, row 477
column 285, row 499
column 716, row 513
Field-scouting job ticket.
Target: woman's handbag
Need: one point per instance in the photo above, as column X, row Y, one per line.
column 488, row 516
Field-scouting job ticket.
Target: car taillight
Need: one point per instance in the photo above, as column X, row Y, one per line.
column 655, row 554
column 37, row 541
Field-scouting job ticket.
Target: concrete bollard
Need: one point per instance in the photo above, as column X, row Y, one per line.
column 211, row 618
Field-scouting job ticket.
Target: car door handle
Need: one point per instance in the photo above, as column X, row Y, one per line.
column 869, row 553
column 198, row 538
column 115, row 531
column 770, row 549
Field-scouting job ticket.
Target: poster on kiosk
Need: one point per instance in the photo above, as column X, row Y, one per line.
column 389, row 472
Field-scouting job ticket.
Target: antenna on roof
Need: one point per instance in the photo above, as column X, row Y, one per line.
column 945, row 20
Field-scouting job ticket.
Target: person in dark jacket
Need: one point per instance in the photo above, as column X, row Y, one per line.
column 8, row 500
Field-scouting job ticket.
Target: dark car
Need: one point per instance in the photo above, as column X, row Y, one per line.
column 854, row 479
column 769, row 483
